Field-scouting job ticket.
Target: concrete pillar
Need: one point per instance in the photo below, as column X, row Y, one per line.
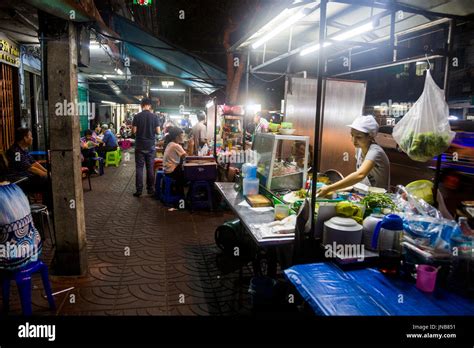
column 64, row 129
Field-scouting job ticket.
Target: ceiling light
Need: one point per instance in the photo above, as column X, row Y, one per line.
column 108, row 102
column 354, row 32
column 168, row 89
column 118, row 71
column 341, row 37
column 313, row 48
column 277, row 29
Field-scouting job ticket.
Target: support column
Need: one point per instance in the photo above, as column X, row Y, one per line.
column 64, row 129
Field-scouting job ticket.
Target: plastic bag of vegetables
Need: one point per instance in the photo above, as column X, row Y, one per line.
column 424, row 131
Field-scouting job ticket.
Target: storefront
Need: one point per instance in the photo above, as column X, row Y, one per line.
column 9, row 90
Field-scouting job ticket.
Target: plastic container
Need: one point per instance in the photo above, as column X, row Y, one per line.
column 250, row 186
column 426, row 278
column 249, row 171
column 370, row 224
column 341, row 230
column 281, row 211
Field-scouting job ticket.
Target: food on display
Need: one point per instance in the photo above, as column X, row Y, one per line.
column 424, row 146
column 301, row 193
column 378, row 200
column 350, row 210
column 284, row 168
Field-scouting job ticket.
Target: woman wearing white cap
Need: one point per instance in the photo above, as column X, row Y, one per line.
column 373, row 166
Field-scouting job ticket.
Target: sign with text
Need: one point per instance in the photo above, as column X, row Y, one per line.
column 9, row 51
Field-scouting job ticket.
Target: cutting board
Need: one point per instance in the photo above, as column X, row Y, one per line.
column 257, row 201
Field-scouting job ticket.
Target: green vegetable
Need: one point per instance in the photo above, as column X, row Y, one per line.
column 301, row 193
column 424, row 146
column 378, row 200
column 351, row 210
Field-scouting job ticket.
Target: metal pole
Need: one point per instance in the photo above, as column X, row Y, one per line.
column 247, row 76
column 215, row 127
column 446, row 94
column 319, row 111
column 393, row 37
column 43, row 94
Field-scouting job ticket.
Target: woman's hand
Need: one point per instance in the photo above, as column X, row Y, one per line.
column 324, row 191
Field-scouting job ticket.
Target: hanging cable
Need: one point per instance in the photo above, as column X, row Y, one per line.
column 267, row 81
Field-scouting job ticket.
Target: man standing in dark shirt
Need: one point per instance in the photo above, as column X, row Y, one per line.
column 145, row 125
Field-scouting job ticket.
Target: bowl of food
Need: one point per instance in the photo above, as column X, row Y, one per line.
column 285, row 131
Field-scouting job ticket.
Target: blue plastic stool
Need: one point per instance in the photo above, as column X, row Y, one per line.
column 167, row 196
column 195, row 195
column 158, row 178
column 99, row 162
column 22, row 278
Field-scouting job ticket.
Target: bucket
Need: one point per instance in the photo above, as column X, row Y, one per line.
column 261, row 290
column 426, row 277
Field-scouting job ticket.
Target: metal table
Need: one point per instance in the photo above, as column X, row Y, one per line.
column 249, row 217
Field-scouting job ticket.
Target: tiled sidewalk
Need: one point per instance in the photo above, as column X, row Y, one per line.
column 145, row 259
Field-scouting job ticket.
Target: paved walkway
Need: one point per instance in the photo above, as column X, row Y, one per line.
column 145, row 259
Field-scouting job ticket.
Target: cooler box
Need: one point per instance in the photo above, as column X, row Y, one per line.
column 200, row 168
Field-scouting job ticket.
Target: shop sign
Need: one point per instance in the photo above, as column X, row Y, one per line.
column 9, row 51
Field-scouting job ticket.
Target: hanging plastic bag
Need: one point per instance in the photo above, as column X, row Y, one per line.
column 424, row 131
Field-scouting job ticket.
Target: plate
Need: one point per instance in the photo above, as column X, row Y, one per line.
column 292, row 197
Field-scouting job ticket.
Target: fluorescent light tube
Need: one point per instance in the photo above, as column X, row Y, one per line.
column 313, row 48
column 108, row 102
column 168, row 89
column 354, row 32
column 288, row 23
column 341, row 37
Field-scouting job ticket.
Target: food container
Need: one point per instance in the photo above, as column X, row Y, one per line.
column 249, row 170
column 250, row 186
column 369, row 224
column 285, row 131
column 342, row 230
column 281, row 211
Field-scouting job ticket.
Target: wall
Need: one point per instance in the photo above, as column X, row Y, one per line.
column 343, row 102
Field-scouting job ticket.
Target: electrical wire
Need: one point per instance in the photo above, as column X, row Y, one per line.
column 267, row 81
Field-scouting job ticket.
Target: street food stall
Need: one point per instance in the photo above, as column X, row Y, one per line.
column 398, row 243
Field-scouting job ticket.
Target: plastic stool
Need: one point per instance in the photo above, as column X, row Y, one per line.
column 158, row 179
column 125, row 144
column 167, row 196
column 112, row 158
column 41, row 211
column 22, row 278
column 99, row 163
column 195, row 192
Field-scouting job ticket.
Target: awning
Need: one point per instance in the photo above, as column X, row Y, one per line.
column 170, row 60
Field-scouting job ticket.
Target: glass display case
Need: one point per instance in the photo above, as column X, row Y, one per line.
column 282, row 160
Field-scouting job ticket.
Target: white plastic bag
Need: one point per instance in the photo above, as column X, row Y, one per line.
column 424, row 131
